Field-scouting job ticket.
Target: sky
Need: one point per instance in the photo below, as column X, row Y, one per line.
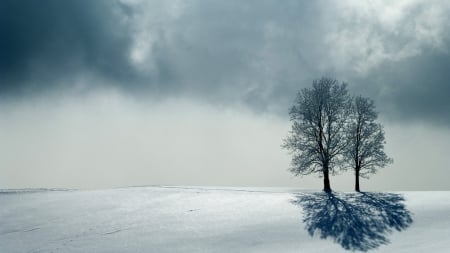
column 113, row 93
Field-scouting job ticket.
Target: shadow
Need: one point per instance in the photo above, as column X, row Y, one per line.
column 357, row 221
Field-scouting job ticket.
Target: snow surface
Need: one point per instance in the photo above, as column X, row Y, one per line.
column 207, row 219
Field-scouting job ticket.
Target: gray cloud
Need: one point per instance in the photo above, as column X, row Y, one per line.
column 414, row 89
column 256, row 53
column 253, row 52
column 45, row 44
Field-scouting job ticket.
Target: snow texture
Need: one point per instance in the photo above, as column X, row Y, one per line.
column 207, row 219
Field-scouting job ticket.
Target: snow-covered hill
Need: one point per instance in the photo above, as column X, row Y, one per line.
column 206, row 219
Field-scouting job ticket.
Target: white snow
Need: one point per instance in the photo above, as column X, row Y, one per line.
column 196, row 219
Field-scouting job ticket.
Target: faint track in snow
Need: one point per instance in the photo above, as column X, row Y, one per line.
column 205, row 189
column 19, row 231
column 117, row 231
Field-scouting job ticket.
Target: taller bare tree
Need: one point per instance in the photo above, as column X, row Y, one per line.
column 316, row 139
column 365, row 149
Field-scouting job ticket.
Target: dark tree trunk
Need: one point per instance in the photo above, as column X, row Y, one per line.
column 357, row 179
column 326, row 180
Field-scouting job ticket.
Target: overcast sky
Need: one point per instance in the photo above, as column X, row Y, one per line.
column 98, row 94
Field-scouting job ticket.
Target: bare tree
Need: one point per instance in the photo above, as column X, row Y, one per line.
column 365, row 149
column 316, row 139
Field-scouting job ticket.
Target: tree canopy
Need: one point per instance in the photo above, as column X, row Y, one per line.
column 332, row 131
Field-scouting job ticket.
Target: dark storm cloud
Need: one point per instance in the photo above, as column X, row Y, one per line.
column 222, row 51
column 46, row 43
column 259, row 53
column 417, row 88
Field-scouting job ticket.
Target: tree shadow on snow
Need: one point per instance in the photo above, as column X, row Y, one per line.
column 357, row 221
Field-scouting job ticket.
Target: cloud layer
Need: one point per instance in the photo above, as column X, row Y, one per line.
column 255, row 53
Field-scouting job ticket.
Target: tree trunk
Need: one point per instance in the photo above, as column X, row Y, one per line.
column 357, row 179
column 326, row 181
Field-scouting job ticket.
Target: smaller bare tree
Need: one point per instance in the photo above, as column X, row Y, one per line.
column 365, row 149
